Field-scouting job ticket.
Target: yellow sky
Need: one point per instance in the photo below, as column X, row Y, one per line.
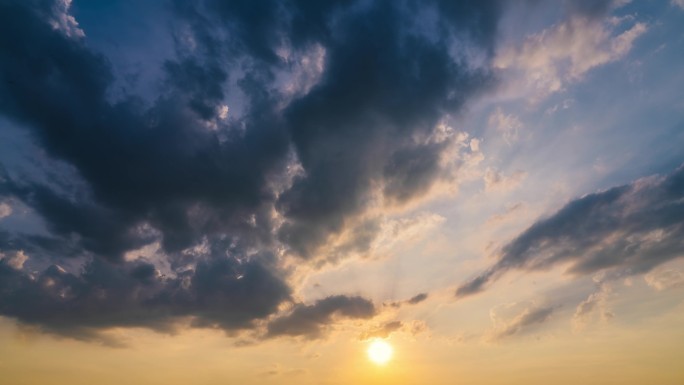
column 646, row 352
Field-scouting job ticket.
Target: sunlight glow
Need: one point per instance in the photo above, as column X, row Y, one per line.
column 380, row 352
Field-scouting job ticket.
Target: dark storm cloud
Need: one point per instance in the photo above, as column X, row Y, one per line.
column 625, row 230
column 220, row 292
column 381, row 89
column 143, row 166
column 311, row 320
column 173, row 170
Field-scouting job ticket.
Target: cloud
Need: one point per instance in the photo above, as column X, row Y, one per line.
column 595, row 303
column 564, row 52
column 15, row 260
column 510, row 212
column 340, row 112
column 416, row 299
column 526, row 319
column 678, row 3
column 335, row 138
column 508, row 125
column 61, row 19
column 626, row 230
column 412, row 328
column 383, row 331
column 665, row 279
column 219, row 292
column 310, row 321
column 496, row 181
column 5, row 210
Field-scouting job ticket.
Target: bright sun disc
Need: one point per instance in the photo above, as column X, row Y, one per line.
column 380, row 352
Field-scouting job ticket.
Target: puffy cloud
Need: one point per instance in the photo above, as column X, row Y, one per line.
column 15, row 259
column 311, row 320
column 61, row 19
column 625, row 230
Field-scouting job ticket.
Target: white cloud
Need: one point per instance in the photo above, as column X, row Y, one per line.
column 63, row 21
column 678, row 3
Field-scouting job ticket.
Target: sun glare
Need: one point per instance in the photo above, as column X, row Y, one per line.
column 380, row 352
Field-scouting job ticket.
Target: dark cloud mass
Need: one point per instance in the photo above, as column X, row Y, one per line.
column 310, row 320
column 626, row 230
column 217, row 191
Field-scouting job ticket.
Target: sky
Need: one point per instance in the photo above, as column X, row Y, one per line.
column 253, row 192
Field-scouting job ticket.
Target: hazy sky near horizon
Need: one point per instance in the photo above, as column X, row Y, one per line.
column 229, row 191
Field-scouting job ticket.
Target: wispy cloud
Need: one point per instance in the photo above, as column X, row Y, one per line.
column 625, row 230
column 528, row 317
column 564, row 52
column 595, row 303
column 665, row 279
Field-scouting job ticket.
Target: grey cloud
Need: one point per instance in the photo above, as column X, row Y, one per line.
column 218, row 293
column 164, row 168
column 590, row 8
column 626, row 230
column 310, row 321
column 416, row 299
column 528, row 318
column 380, row 88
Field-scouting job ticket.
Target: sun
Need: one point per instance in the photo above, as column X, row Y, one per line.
column 380, row 352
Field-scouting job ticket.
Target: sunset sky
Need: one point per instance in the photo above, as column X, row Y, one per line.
column 296, row 191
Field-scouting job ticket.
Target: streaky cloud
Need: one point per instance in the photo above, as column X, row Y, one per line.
column 626, row 230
